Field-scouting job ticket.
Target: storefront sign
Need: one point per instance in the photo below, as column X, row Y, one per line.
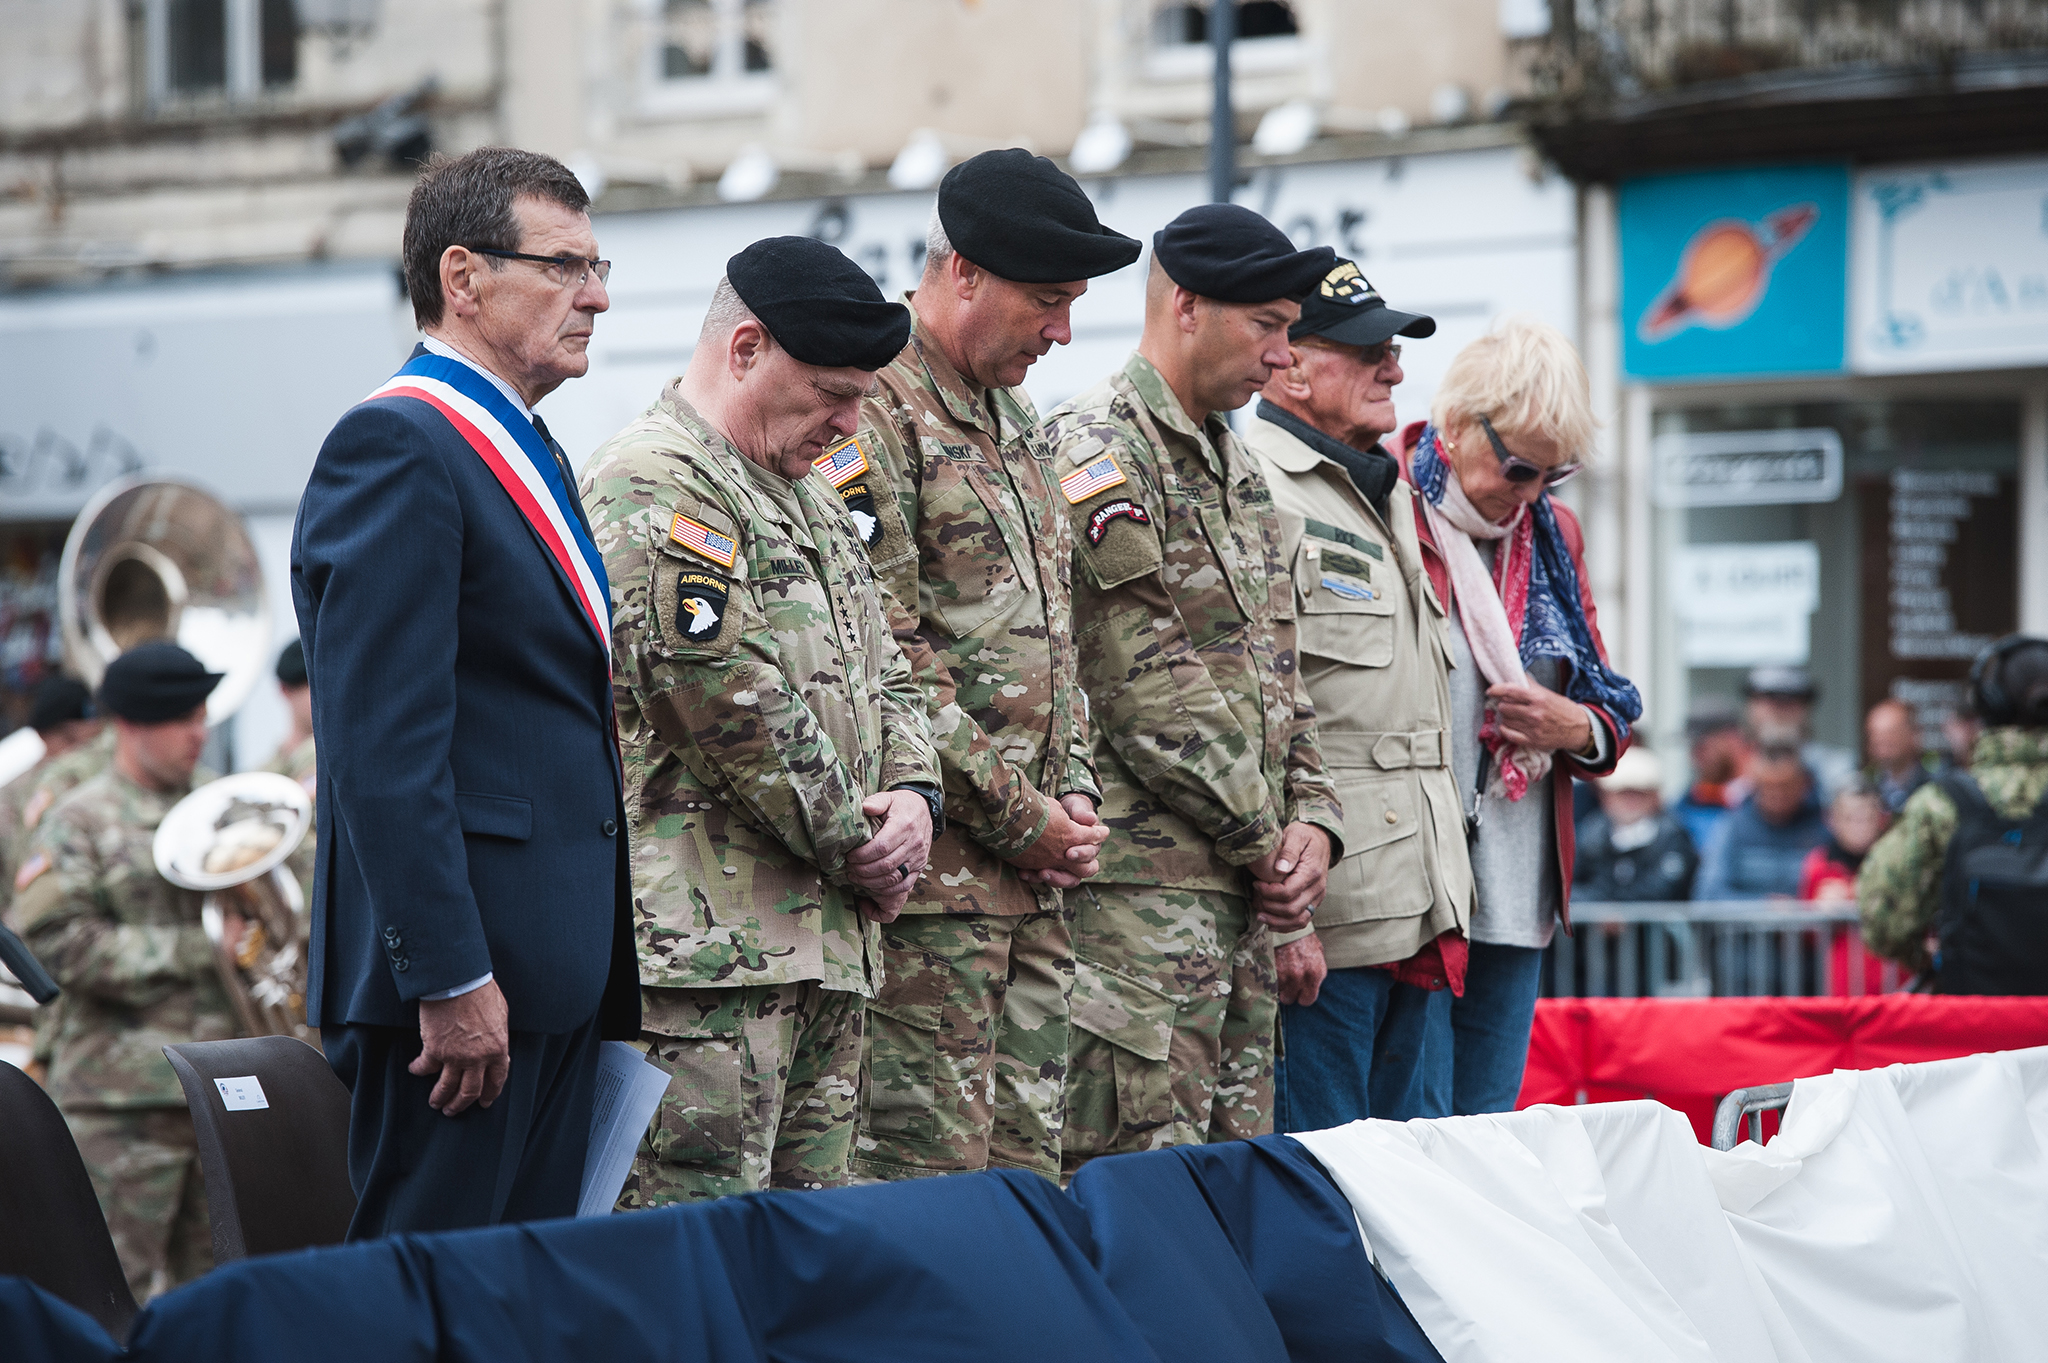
column 1748, row 468
column 1734, row 272
column 1744, row 605
column 1950, row 267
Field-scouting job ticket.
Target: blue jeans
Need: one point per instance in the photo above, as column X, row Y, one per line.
column 1367, row 1047
column 1490, row 1028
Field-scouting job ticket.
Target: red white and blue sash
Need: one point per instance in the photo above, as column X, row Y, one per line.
column 524, row 466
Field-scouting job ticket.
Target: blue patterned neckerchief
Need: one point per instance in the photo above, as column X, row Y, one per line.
column 1554, row 623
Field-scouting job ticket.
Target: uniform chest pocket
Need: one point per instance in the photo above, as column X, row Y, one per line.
column 971, row 549
column 1347, row 603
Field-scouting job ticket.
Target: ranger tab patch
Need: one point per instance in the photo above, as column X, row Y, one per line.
column 1090, row 479
column 702, row 539
column 1123, row 508
column 843, row 462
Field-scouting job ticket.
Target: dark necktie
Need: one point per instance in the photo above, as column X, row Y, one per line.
column 568, row 478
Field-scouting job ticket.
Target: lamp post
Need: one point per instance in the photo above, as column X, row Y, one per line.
column 1222, row 122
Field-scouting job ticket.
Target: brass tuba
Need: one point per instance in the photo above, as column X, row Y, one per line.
column 229, row 839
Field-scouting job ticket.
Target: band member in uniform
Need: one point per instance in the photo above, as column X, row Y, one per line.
column 472, row 941
column 967, row 1040
column 135, row 965
column 1222, row 818
column 780, row 776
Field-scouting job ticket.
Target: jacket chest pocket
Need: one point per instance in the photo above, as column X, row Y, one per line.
column 973, row 544
column 1346, row 602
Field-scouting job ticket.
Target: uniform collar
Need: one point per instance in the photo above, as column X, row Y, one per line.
column 990, row 411
column 1157, row 394
column 2011, row 745
column 756, row 479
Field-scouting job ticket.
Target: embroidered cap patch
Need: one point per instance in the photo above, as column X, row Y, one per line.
column 1090, row 479
column 1123, row 508
column 843, row 462
column 702, row 539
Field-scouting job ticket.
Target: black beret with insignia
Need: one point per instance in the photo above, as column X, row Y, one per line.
column 1022, row 218
column 155, row 683
column 1231, row 254
column 58, row 700
column 1346, row 308
column 818, row 305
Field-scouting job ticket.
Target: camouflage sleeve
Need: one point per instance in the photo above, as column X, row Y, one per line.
column 1311, row 792
column 1898, row 889
column 725, row 702
column 1149, row 689
column 909, row 756
column 85, row 949
column 1004, row 812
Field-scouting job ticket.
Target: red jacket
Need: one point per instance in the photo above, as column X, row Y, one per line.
column 1565, row 763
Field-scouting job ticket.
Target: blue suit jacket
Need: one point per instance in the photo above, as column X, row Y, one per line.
column 469, row 797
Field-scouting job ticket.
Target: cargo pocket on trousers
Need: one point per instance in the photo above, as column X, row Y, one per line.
column 1137, row 1022
column 701, row 1123
column 899, row 1060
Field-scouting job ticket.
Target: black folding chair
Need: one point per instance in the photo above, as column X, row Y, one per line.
column 276, row 1175
column 51, row 1229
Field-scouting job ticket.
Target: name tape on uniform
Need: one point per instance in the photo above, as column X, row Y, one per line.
column 244, row 1094
column 702, row 539
column 843, row 462
column 1091, row 478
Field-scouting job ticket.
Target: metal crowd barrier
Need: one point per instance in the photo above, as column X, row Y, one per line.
column 1713, row 949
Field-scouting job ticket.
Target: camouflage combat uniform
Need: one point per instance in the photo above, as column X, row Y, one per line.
column 49, row 782
column 1899, row 886
column 137, row 972
column 760, row 700
column 967, row 1039
column 1205, row 744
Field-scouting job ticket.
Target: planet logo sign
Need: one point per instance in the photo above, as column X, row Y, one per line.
column 1734, row 272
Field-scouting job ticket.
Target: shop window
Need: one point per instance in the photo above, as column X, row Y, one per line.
column 709, row 51
column 205, row 50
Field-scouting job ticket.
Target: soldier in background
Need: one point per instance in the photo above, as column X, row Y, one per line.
column 295, row 758
column 135, row 965
column 781, row 788
column 1223, row 820
column 76, row 745
column 967, row 1039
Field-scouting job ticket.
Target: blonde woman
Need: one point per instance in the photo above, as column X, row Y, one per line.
column 1533, row 701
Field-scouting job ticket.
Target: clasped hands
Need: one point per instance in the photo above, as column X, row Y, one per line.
column 886, row 867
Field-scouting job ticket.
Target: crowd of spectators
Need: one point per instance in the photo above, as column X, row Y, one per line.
column 1768, row 811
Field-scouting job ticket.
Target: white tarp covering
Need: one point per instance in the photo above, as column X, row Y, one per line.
column 1900, row 1214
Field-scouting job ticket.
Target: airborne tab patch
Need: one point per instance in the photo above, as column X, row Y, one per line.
column 702, row 539
column 843, row 462
column 1090, row 479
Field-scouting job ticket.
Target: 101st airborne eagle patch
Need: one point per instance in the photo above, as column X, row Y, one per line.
column 700, row 599
column 1095, row 476
column 699, row 538
column 845, row 467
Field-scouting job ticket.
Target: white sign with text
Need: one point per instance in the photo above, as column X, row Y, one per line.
column 1745, row 605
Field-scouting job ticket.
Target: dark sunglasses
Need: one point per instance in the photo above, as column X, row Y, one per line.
column 564, row 270
column 1516, row 469
column 1371, row 356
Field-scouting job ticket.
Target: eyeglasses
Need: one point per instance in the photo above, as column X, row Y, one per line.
column 1371, row 356
column 566, row 271
column 1516, row 469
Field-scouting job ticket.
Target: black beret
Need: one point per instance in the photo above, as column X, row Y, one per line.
column 58, row 700
column 1345, row 307
column 1021, row 217
column 155, row 683
column 818, row 305
column 291, row 664
column 1231, row 254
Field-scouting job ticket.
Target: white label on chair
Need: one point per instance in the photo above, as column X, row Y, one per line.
column 241, row 1095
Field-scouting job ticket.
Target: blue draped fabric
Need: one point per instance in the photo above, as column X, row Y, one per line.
column 1242, row 1253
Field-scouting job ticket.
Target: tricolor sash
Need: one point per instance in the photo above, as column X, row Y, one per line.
column 524, row 466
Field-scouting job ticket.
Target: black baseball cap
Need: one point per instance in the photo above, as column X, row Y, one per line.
column 1346, row 308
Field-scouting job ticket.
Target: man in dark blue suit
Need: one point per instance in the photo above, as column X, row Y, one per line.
column 472, row 939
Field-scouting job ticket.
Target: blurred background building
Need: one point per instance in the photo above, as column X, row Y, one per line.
column 1802, row 243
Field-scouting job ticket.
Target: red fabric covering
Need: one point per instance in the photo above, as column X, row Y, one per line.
column 1687, row 1053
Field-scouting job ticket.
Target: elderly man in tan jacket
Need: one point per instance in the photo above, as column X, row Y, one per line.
column 1366, row 991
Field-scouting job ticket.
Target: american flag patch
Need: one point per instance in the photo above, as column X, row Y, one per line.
column 1091, row 478
column 843, row 462
column 702, row 539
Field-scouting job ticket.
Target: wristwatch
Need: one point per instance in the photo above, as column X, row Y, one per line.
column 933, row 798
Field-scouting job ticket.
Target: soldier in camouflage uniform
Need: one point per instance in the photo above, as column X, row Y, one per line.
column 768, row 723
column 1898, row 888
column 135, row 965
column 967, row 1040
column 1223, row 820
